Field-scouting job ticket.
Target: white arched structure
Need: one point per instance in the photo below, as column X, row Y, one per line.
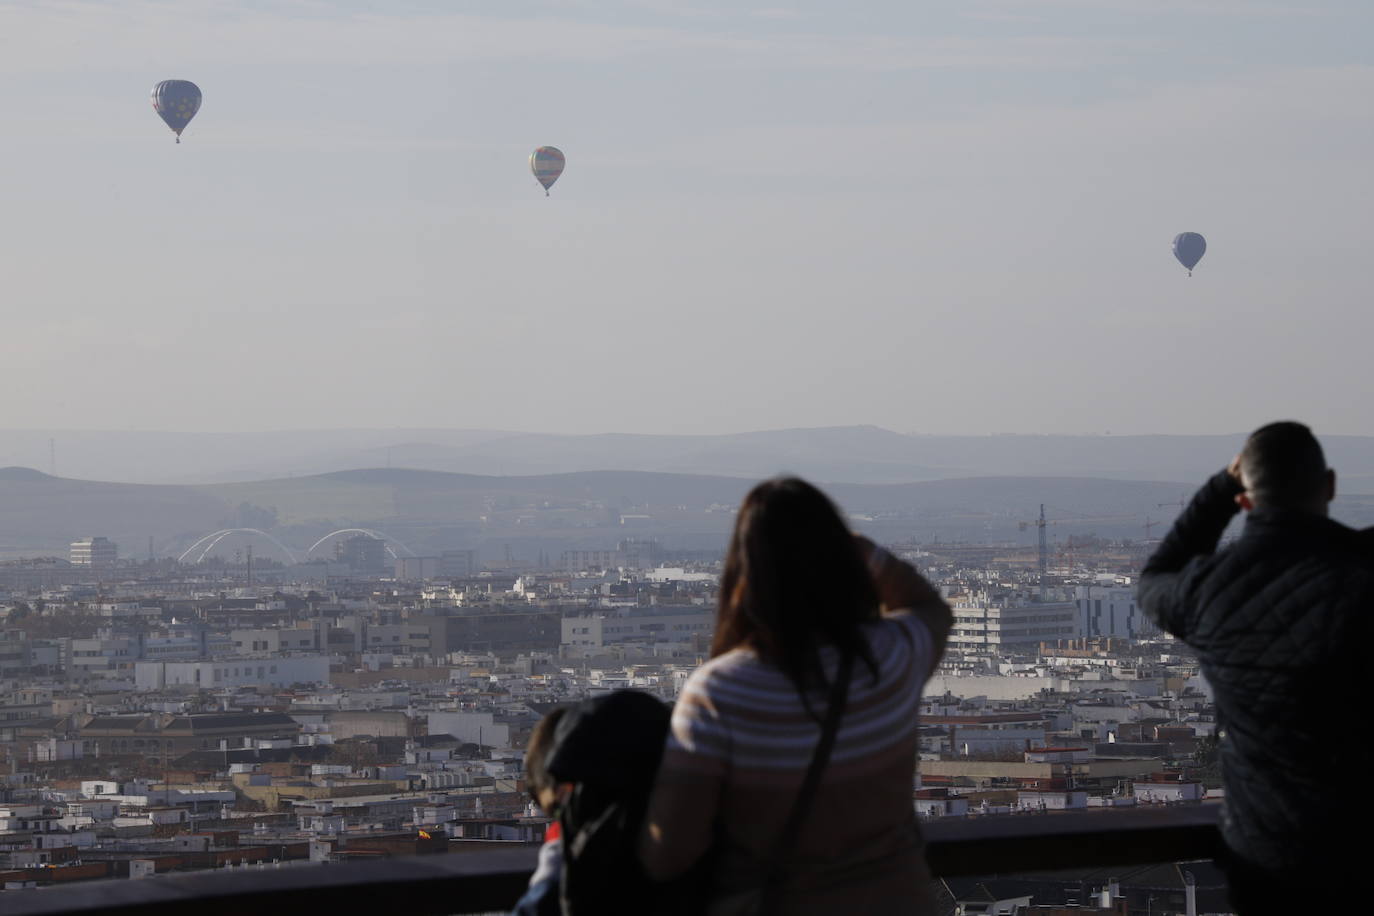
column 370, row 532
column 209, row 542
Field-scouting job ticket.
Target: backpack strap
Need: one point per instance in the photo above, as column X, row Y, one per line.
column 839, row 694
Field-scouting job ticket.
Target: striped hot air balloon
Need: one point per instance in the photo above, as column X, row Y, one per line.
column 176, row 102
column 547, row 164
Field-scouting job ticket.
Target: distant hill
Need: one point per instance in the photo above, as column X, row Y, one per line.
column 381, row 494
column 23, row 474
column 596, row 508
column 434, row 510
column 849, row 454
column 43, row 514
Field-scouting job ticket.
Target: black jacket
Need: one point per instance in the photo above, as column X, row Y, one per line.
column 1280, row 621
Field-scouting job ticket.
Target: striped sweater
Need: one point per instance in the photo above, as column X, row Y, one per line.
column 740, row 744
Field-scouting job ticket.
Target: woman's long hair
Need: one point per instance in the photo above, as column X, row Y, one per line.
column 794, row 580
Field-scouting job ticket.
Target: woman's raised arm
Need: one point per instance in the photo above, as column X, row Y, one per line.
column 902, row 588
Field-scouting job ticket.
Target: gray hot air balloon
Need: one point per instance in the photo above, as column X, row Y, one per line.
column 1189, row 247
column 547, row 164
column 176, row 102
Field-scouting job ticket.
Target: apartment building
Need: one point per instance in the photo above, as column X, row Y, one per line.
column 1112, row 611
column 276, row 671
column 662, row 623
column 995, row 625
column 166, row 737
column 94, row 553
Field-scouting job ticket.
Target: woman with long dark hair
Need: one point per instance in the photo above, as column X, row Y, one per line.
column 787, row 777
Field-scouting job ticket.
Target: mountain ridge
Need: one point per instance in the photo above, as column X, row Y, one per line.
column 845, row 454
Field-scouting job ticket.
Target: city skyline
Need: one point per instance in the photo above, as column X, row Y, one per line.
column 405, row 410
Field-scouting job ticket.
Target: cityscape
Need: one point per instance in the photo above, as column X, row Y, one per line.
column 230, row 709
column 676, row 457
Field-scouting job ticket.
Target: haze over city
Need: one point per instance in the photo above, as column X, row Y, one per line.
column 774, row 456
column 951, row 218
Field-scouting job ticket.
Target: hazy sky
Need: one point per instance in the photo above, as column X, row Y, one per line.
column 934, row 216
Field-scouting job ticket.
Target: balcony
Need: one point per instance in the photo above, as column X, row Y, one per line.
column 491, row 881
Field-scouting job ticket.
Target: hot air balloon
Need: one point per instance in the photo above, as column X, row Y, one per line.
column 1189, row 247
column 547, row 164
column 176, row 102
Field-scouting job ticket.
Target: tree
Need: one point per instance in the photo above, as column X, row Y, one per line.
column 1207, row 756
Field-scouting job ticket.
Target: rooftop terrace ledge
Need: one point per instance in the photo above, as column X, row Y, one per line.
column 487, row 881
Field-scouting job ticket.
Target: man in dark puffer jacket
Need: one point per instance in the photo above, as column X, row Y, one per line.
column 1280, row 621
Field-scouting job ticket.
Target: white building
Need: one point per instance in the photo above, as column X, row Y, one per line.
column 647, row 625
column 1058, row 755
column 679, row 574
column 1166, row 791
column 98, row 655
column 416, row 569
column 1112, row 611
column 27, row 819
column 472, row 727
column 118, row 611
column 320, row 824
column 152, row 817
column 1051, row 799
column 391, row 638
column 233, row 672
column 94, row 553
column 973, row 741
column 988, row 625
column 939, row 803
column 272, row 640
column 92, row 788
column 50, row 750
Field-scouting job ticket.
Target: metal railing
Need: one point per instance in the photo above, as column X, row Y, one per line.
column 492, row 880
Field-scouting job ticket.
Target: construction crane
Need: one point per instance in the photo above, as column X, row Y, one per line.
column 1044, row 551
column 1042, row 563
column 1040, row 523
column 1043, row 558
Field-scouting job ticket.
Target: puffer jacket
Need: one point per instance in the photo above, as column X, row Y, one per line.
column 1280, row 620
